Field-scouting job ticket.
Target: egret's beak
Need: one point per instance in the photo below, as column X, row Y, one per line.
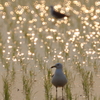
column 53, row 66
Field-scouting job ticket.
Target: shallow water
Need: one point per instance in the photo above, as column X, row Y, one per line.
column 30, row 38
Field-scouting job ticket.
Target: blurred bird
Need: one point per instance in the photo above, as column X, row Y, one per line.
column 56, row 14
column 59, row 79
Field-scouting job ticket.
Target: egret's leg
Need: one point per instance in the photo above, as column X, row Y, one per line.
column 56, row 93
column 62, row 93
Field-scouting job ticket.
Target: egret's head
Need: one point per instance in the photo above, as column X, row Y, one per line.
column 58, row 66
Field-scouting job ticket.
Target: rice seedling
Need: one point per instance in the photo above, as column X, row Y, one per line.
column 87, row 82
column 1, row 47
column 48, row 85
column 28, row 79
column 67, row 88
column 28, row 83
column 41, row 63
column 68, row 92
column 8, row 81
column 12, row 74
column 6, row 88
column 95, row 98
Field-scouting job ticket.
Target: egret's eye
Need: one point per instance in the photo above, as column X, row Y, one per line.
column 57, row 64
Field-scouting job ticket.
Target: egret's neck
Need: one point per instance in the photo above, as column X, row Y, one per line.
column 52, row 9
column 59, row 71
